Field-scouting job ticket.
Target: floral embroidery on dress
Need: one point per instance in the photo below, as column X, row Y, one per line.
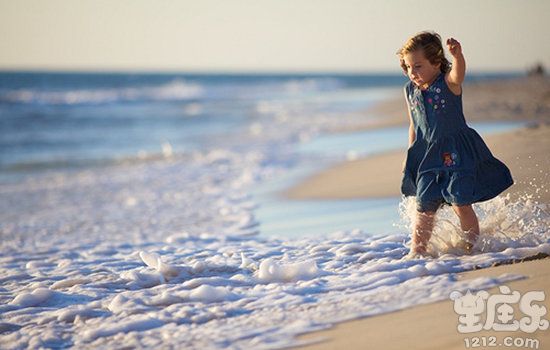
column 449, row 159
column 435, row 103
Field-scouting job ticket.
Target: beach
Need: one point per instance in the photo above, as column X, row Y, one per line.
column 227, row 175
column 434, row 326
column 525, row 151
column 149, row 235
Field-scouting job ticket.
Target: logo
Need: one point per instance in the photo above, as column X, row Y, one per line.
column 482, row 311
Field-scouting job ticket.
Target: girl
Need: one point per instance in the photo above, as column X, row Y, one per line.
column 447, row 162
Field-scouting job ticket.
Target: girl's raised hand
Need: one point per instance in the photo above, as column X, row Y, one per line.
column 454, row 47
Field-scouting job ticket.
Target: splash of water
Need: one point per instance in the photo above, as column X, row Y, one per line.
column 503, row 223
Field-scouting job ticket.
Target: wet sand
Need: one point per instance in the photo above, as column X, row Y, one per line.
column 434, row 326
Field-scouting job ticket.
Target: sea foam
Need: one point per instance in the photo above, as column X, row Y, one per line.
column 222, row 283
column 167, row 252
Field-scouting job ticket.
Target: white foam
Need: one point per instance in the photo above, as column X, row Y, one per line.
column 69, row 282
column 123, row 326
column 272, row 271
column 34, row 298
column 256, row 287
column 209, row 294
column 178, row 89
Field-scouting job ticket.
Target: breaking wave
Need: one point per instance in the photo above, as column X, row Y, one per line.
column 175, row 90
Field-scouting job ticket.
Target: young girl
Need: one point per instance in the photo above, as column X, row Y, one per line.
column 447, row 162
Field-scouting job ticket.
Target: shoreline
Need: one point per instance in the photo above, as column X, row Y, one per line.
column 526, row 151
column 439, row 318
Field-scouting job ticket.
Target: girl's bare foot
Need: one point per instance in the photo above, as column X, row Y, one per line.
column 416, row 253
column 468, row 242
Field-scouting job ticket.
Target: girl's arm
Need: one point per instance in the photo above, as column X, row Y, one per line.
column 455, row 76
column 412, row 134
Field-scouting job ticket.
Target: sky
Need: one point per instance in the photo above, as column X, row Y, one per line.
column 264, row 35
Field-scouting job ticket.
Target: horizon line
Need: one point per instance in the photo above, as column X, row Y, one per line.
column 236, row 71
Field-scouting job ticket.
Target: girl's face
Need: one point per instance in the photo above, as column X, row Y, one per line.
column 419, row 69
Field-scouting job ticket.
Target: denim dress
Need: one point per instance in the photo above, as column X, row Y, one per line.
column 448, row 163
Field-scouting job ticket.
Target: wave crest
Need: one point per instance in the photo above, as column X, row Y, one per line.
column 175, row 90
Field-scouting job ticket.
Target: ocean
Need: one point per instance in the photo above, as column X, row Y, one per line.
column 63, row 120
column 52, row 120
column 140, row 211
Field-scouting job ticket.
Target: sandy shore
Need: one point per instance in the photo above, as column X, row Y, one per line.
column 434, row 326
column 527, row 154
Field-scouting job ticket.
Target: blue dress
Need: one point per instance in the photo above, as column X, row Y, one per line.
column 448, row 163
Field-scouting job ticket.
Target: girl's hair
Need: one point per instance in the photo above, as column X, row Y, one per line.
column 430, row 43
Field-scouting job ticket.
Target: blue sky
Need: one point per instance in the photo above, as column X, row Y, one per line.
column 264, row 35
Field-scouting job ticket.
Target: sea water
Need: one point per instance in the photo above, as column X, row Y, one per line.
column 128, row 218
column 53, row 120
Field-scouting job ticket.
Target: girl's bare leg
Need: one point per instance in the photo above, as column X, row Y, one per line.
column 468, row 221
column 422, row 231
